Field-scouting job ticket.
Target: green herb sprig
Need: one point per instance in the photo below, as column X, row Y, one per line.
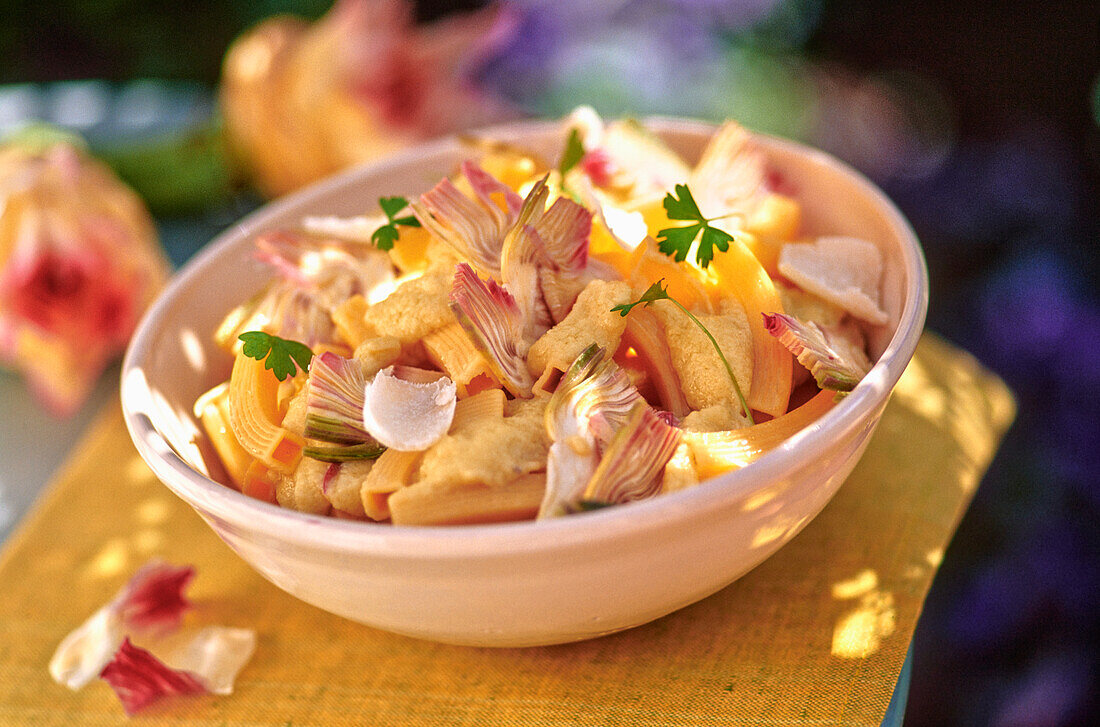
column 574, row 152
column 677, row 241
column 571, row 157
column 283, row 358
column 384, row 237
column 656, row 292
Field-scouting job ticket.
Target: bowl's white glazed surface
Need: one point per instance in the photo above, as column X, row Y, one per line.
column 526, row 583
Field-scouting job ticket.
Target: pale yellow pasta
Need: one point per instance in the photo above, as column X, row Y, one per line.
column 590, row 321
column 391, row 472
column 470, row 503
column 488, row 405
column 348, row 317
column 703, row 378
column 254, row 416
column 451, row 349
column 212, row 409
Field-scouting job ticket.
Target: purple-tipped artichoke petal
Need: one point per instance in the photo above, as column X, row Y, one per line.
column 593, row 400
column 485, row 185
column 631, row 467
column 495, row 323
column 475, row 229
column 810, row 345
column 522, row 259
column 565, row 229
column 334, row 402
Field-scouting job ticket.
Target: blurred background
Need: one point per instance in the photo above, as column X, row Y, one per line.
column 980, row 119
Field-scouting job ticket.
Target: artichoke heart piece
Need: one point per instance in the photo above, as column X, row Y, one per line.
column 475, row 229
column 522, row 258
column 592, row 402
column 492, row 318
column 334, row 404
column 565, row 229
column 808, row 343
column 631, row 467
column 594, row 398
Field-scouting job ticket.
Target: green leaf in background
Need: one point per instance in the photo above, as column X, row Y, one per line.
column 574, row 152
column 177, row 172
column 38, row 136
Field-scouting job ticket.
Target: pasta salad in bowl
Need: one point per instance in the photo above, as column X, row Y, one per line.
column 534, row 385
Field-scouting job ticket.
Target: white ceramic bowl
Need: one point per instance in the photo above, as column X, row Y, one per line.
column 525, row 583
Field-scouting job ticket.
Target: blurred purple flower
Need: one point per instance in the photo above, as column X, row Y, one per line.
column 730, row 15
column 1030, row 313
column 1054, row 691
column 996, row 602
column 629, row 56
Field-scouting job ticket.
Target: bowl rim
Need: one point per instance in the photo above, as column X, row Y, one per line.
column 504, row 539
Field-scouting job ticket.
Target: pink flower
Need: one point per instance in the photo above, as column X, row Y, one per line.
column 69, row 296
column 79, row 261
column 302, row 101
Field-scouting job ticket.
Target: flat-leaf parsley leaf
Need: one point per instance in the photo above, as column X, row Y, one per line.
column 657, row 292
column 284, row 357
column 677, row 241
column 384, row 237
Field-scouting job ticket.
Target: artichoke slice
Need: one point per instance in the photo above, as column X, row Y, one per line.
column 495, row 323
column 593, row 400
column 334, row 402
column 810, row 345
column 475, row 229
column 631, row 467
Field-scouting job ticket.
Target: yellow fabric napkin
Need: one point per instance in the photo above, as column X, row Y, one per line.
column 816, row 635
